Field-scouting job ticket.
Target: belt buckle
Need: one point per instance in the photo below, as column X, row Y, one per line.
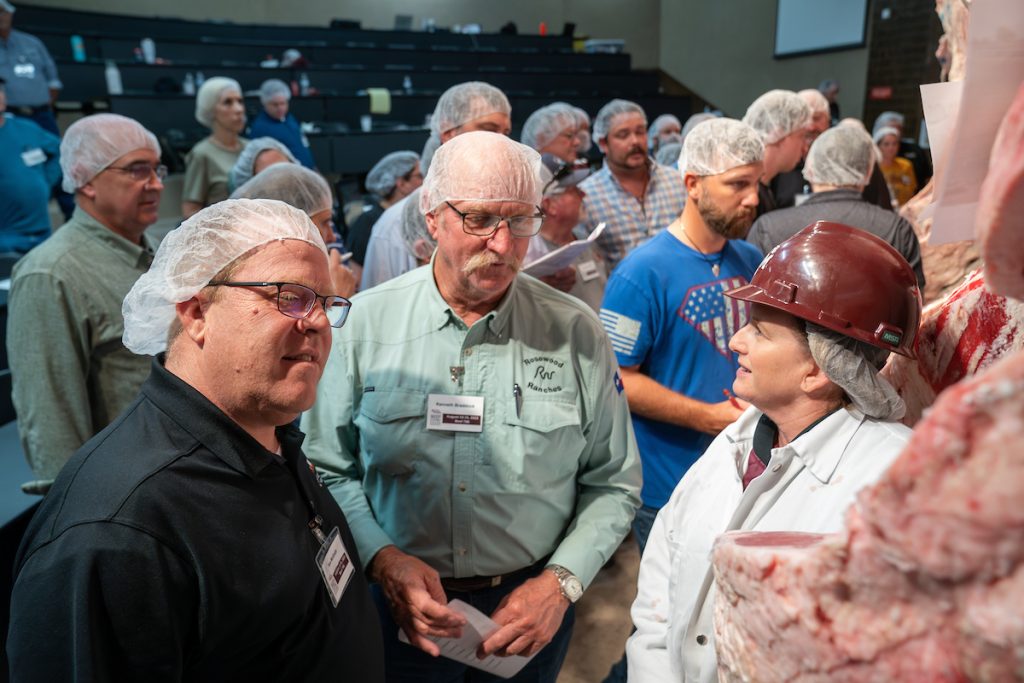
column 495, row 581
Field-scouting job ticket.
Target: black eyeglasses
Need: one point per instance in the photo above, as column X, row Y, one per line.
column 485, row 224
column 141, row 171
column 296, row 301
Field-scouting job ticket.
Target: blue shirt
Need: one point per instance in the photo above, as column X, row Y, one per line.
column 28, row 69
column 286, row 132
column 29, row 168
column 664, row 311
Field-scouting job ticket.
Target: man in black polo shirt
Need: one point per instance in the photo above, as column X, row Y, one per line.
column 190, row 539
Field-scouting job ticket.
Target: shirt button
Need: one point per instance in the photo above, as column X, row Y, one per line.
column 462, row 486
column 467, row 353
column 702, row 639
column 776, row 468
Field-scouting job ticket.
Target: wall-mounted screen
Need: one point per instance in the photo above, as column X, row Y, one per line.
column 808, row 26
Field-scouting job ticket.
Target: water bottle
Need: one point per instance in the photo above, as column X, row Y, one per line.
column 303, row 84
column 148, row 50
column 77, row 48
column 113, row 76
column 407, row 84
column 200, row 79
column 189, row 86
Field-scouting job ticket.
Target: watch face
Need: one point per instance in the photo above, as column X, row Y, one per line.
column 573, row 588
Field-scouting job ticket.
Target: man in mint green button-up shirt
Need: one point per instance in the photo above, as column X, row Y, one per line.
column 544, row 473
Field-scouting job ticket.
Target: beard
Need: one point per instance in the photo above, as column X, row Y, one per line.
column 485, row 259
column 732, row 226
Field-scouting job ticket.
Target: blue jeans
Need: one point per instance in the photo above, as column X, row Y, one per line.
column 642, row 523
column 405, row 662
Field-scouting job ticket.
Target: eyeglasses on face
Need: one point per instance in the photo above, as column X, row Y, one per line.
column 296, row 301
column 485, row 224
column 141, row 171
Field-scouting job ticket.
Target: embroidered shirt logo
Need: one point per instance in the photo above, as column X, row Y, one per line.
column 544, row 374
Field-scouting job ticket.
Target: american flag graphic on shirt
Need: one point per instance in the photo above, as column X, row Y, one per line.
column 715, row 315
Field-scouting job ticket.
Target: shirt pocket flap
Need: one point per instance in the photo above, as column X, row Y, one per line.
column 388, row 406
column 543, row 416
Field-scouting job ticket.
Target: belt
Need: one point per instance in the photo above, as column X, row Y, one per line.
column 474, row 583
column 28, row 111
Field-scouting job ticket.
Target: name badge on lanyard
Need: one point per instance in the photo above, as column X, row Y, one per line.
column 335, row 566
column 455, row 413
column 587, row 270
column 25, row 70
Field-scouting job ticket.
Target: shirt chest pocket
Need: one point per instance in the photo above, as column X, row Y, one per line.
column 392, row 431
column 543, row 443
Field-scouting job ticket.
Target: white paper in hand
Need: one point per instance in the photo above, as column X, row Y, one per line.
column 563, row 257
column 478, row 627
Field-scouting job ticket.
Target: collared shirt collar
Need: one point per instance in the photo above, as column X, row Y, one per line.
column 134, row 255
column 442, row 313
column 612, row 178
column 208, row 424
column 840, row 195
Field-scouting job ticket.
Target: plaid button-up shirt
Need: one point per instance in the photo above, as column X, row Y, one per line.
column 631, row 222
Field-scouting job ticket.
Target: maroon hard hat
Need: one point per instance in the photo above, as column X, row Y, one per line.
column 844, row 279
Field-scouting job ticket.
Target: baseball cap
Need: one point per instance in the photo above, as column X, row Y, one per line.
column 558, row 175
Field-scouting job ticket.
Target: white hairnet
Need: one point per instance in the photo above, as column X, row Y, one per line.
column 692, row 122
column 191, row 255
column 208, row 96
column 273, row 87
column 244, row 167
column 668, row 154
column 888, row 118
column 883, row 131
column 718, row 145
column 385, row 173
column 815, row 100
column 414, row 229
column 776, row 114
column 427, row 155
column 92, row 143
column 840, row 156
column 482, row 166
column 292, row 184
column 466, row 102
column 853, row 366
column 583, row 141
column 604, row 118
column 655, row 128
column 546, row 124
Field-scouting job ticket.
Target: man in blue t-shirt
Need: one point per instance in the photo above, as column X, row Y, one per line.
column 275, row 122
column 668, row 320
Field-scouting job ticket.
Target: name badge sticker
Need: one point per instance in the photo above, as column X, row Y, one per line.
column 25, row 70
column 33, row 157
column 449, row 413
column 335, row 566
column 587, row 270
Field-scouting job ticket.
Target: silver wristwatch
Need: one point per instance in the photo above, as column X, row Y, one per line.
column 571, row 587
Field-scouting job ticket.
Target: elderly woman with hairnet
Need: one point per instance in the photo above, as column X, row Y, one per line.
column 276, row 122
column 389, row 181
column 307, row 191
column 552, row 130
column 219, row 107
column 258, row 155
column 827, row 308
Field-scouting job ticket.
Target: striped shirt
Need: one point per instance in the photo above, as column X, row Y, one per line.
column 631, row 222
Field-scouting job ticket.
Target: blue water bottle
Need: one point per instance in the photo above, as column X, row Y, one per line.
column 77, row 48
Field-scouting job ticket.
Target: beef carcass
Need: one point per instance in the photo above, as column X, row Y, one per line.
column 960, row 336
column 927, row 581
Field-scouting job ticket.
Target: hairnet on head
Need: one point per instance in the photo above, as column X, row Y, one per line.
column 776, row 114
column 482, row 166
column 853, row 366
column 695, row 119
column 655, row 128
column 546, row 124
column 385, row 173
column 583, row 141
column 273, row 87
column 415, row 234
column 840, row 156
column 719, row 145
column 427, row 155
column 198, row 249
column 668, row 154
column 883, row 131
column 466, row 102
column 244, row 167
column 604, row 118
column 92, row 143
column 208, row 96
column 292, row 184
column 815, row 100
column 888, row 118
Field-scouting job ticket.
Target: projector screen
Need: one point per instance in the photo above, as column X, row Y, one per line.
column 808, row 26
